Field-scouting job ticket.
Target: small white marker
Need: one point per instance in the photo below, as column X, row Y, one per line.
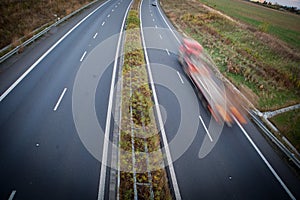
column 153, row 19
column 160, row 36
column 169, row 54
column 11, row 197
column 205, row 128
column 155, row 26
column 151, row 15
column 112, row 10
column 95, row 35
column 179, row 76
column 116, row 6
column 108, row 15
column 82, row 57
column 103, row 23
column 37, row 144
column 60, row 98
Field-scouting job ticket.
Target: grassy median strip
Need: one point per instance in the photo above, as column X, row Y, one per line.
column 142, row 172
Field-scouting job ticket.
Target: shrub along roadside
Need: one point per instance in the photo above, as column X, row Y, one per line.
column 141, row 163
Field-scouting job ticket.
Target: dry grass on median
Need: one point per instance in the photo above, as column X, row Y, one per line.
column 141, row 161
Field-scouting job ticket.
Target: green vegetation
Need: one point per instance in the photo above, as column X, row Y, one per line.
column 288, row 124
column 263, row 68
column 20, row 18
column 250, row 59
column 140, row 152
column 284, row 25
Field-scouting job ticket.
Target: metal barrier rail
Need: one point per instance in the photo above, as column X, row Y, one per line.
column 36, row 36
column 270, row 135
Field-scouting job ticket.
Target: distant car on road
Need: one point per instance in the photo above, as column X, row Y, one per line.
column 154, row 3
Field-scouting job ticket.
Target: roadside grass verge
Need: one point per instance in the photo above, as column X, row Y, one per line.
column 20, row 18
column 266, row 73
column 284, row 25
column 288, row 124
column 142, row 171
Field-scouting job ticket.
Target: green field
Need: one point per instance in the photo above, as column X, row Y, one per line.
column 247, row 58
column 284, row 25
column 289, row 124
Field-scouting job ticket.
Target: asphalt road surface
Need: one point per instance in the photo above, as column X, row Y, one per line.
column 233, row 169
column 42, row 156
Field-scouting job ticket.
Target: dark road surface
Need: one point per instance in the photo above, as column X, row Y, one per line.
column 43, row 157
column 233, row 169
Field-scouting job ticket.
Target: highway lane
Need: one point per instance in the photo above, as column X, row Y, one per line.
column 233, row 169
column 41, row 154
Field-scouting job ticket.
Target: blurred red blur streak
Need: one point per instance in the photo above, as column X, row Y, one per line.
column 238, row 115
column 224, row 114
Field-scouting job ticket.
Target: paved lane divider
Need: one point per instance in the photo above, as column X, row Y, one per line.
column 210, row 138
column 82, row 57
column 59, row 100
column 95, row 35
column 167, row 51
column 46, row 53
column 181, row 80
column 12, row 195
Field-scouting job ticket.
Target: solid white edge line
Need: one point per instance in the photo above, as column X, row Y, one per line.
column 12, row 195
column 60, row 98
column 163, row 133
column 82, row 57
column 180, row 77
column 168, row 25
column 205, row 128
column 108, row 115
column 265, row 160
column 46, row 53
column 95, row 35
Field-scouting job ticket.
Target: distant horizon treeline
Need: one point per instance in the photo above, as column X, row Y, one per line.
column 277, row 6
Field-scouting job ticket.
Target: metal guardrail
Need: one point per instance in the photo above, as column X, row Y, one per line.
column 275, row 140
column 36, row 36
